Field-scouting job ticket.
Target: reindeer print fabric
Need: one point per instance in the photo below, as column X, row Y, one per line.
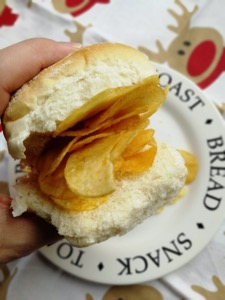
column 185, row 35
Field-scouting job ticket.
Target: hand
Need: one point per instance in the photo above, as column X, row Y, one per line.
column 19, row 63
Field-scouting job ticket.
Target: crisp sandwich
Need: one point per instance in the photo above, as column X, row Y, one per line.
column 82, row 127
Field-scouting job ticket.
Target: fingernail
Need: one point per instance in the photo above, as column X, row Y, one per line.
column 71, row 45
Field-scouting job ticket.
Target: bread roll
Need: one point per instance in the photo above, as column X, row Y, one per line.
column 40, row 105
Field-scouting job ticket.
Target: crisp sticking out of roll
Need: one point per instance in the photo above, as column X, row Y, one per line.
column 81, row 129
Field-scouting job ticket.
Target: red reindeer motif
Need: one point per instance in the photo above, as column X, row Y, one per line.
column 75, row 7
column 197, row 52
column 7, row 18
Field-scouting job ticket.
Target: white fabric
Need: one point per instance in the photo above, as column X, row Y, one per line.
column 137, row 23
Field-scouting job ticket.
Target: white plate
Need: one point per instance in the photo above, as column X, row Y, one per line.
column 167, row 241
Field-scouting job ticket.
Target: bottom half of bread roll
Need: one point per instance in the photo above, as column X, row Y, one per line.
column 135, row 199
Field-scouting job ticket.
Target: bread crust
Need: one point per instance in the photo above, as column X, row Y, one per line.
column 39, row 105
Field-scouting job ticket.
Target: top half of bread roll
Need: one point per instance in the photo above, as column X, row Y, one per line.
column 42, row 103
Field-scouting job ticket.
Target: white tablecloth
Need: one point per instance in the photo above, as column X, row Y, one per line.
column 171, row 33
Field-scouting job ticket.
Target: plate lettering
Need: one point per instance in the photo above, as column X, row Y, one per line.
column 67, row 251
column 185, row 95
column 141, row 263
column 212, row 199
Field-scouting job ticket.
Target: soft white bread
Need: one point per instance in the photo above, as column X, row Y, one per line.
column 40, row 105
column 134, row 200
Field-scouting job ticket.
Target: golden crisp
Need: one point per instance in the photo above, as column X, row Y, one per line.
column 89, row 171
column 101, row 142
column 191, row 164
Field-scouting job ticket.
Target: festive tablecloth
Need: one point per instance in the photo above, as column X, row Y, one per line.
column 186, row 35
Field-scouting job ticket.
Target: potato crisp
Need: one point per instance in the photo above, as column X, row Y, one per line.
column 100, row 143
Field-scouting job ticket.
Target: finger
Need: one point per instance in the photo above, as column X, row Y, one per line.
column 20, row 236
column 22, row 61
